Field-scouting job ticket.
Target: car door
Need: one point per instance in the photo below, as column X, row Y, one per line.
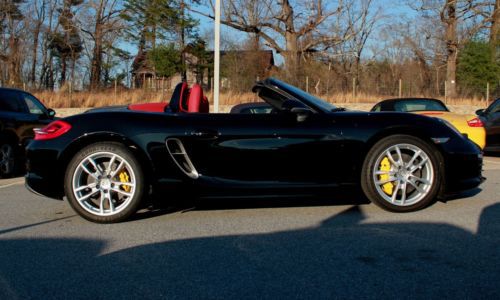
column 13, row 111
column 264, row 148
column 34, row 115
column 493, row 125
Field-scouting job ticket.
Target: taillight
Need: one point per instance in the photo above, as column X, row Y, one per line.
column 52, row 131
column 476, row 122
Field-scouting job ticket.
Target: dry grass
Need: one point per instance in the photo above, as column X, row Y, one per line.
column 108, row 98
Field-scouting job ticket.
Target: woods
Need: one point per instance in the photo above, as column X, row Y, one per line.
column 427, row 47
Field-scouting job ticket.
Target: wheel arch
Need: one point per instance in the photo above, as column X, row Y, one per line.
column 400, row 130
column 411, row 131
column 103, row 137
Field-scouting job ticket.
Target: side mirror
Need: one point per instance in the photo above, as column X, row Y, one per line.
column 302, row 113
column 51, row 113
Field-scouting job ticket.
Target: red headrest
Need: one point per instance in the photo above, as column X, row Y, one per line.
column 197, row 103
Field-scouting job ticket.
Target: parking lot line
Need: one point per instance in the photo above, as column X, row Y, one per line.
column 492, row 162
column 11, row 184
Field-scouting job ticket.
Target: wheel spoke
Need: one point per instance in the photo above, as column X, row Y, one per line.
column 122, row 192
column 382, row 182
column 119, row 183
column 111, row 204
column 389, row 156
column 101, row 204
column 84, row 168
column 95, row 165
column 384, row 172
column 120, row 166
column 400, row 160
column 415, row 156
column 109, row 170
column 416, row 186
column 419, row 165
column 395, row 192
column 90, row 194
column 403, row 193
column 90, row 186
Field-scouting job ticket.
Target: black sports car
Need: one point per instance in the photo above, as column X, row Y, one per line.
column 107, row 162
column 491, row 120
column 20, row 112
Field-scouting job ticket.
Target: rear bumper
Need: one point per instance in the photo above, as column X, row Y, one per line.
column 42, row 187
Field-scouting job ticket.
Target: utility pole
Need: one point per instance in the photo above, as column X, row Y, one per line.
column 217, row 57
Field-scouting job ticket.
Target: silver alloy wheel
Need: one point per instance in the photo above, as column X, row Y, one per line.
column 97, row 185
column 411, row 174
column 6, row 159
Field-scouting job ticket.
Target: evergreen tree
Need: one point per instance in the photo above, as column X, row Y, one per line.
column 476, row 69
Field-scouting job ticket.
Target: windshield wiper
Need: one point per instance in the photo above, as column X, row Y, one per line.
column 339, row 109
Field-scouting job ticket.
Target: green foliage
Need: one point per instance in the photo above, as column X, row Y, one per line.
column 476, row 67
column 157, row 20
column 166, row 60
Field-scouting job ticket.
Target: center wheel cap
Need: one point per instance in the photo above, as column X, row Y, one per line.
column 105, row 184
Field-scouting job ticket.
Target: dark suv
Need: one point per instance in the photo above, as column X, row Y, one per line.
column 20, row 113
column 491, row 120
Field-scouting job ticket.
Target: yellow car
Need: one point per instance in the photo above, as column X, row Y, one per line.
column 469, row 125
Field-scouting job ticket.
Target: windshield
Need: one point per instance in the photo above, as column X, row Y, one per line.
column 302, row 95
column 419, row 105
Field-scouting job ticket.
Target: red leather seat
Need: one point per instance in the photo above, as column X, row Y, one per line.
column 197, row 103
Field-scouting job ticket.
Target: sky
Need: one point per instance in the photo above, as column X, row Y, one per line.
column 390, row 8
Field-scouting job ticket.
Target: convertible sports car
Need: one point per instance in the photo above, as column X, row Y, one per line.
column 107, row 162
column 470, row 125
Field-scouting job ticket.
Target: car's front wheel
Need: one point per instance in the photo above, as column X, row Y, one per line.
column 104, row 183
column 402, row 173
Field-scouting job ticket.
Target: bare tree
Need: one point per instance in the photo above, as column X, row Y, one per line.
column 282, row 28
column 105, row 15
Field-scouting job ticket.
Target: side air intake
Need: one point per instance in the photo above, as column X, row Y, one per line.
column 181, row 159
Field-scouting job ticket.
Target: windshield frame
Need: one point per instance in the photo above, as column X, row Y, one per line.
column 294, row 93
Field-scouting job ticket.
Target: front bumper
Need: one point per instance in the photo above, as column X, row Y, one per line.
column 463, row 170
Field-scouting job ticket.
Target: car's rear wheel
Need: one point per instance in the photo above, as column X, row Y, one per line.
column 9, row 164
column 104, row 183
column 402, row 173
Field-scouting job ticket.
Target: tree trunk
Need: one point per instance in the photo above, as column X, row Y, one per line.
column 451, row 47
column 36, row 35
column 292, row 54
column 495, row 31
column 96, row 64
column 64, row 67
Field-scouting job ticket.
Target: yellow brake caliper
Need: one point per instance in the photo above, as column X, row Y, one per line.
column 385, row 166
column 126, row 179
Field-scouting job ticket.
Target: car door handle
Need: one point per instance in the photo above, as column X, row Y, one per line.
column 205, row 134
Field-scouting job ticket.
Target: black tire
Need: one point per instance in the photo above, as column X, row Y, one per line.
column 376, row 195
column 10, row 160
column 131, row 204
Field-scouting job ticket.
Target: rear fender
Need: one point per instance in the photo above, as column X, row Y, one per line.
column 70, row 151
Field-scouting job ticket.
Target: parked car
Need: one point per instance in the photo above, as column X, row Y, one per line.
column 469, row 125
column 491, row 120
column 107, row 162
column 252, row 108
column 20, row 113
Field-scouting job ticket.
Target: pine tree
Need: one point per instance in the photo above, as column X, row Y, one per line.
column 66, row 44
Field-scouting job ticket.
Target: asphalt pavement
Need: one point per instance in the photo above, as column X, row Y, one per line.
column 254, row 249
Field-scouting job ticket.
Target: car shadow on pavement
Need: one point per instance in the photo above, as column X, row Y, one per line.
column 344, row 256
